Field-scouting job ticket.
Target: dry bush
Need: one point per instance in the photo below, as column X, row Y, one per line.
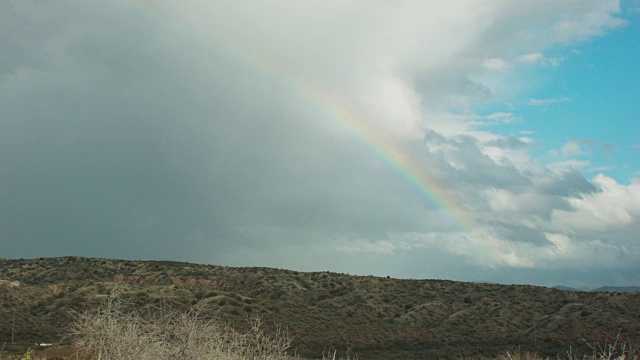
column 615, row 351
column 110, row 333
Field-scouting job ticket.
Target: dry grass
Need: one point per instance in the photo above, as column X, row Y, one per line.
column 615, row 351
column 110, row 333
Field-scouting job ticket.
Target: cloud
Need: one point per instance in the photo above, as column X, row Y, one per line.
column 498, row 118
column 581, row 147
column 568, row 165
column 495, row 64
column 570, row 183
column 614, row 205
column 540, row 59
column 214, row 132
column 530, row 58
column 571, row 148
column 547, row 102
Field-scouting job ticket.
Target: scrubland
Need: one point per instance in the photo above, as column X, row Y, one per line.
column 167, row 310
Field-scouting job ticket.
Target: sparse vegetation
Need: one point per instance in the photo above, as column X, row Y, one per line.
column 111, row 333
column 369, row 316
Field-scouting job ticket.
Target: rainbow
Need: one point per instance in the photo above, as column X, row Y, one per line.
column 397, row 158
column 340, row 114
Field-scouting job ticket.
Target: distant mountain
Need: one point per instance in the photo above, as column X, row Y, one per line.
column 625, row 289
column 374, row 317
column 566, row 288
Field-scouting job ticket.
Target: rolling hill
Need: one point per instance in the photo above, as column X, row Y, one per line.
column 375, row 317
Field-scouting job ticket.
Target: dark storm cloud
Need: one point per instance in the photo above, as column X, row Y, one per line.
column 469, row 165
column 120, row 141
column 519, row 233
column 570, row 183
column 93, row 153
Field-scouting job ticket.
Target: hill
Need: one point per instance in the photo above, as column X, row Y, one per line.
column 617, row 289
column 562, row 287
column 371, row 316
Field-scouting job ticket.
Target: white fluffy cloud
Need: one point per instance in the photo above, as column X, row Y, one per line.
column 613, row 206
column 571, row 148
column 530, row 58
column 495, row 64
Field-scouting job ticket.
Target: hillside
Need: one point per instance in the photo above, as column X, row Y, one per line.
column 601, row 289
column 372, row 316
column 617, row 289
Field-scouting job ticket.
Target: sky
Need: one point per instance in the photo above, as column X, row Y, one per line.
column 467, row 140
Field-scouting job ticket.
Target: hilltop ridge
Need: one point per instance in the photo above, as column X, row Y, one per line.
column 375, row 317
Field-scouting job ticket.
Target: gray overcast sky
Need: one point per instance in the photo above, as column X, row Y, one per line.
column 253, row 133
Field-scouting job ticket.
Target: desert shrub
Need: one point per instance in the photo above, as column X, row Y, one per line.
column 110, row 332
column 615, row 351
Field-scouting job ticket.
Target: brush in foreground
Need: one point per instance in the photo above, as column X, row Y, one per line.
column 110, row 333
